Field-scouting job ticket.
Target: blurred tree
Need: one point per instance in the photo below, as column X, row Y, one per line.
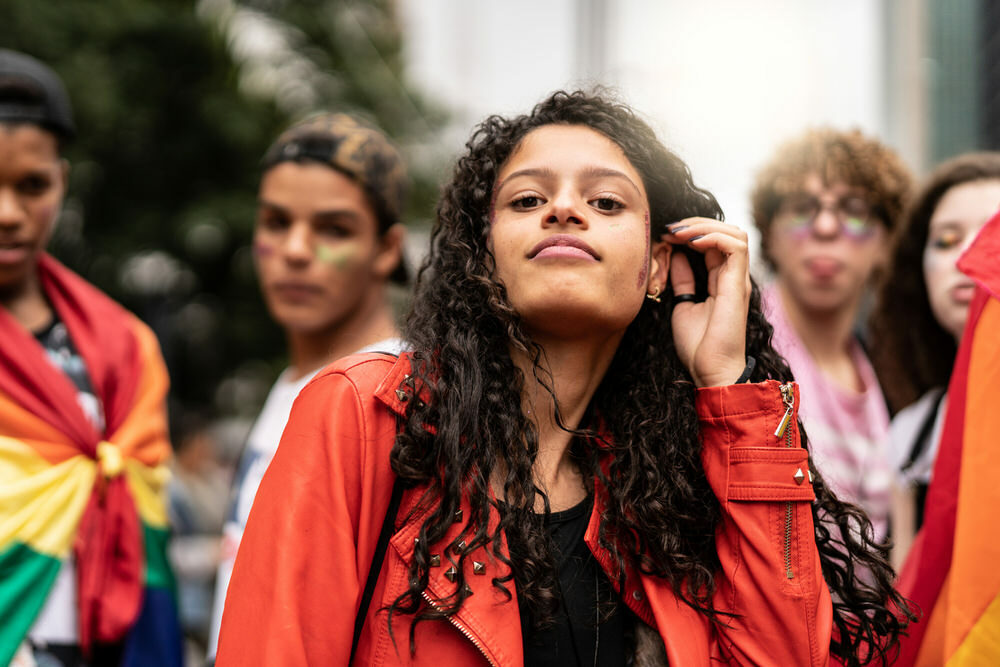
column 175, row 102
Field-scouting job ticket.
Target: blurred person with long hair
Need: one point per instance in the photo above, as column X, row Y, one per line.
column 590, row 456
column 327, row 243
column 826, row 204
column 84, row 578
column 923, row 302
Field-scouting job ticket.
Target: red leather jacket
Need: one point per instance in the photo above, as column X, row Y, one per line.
column 312, row 532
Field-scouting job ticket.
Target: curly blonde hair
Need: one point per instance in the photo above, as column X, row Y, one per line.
column 847, row 157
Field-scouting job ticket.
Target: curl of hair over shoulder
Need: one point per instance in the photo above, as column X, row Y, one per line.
column 912, row 359
column 849, row 157
column 645, row 455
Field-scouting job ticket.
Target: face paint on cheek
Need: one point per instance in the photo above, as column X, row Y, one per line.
column 493, row 205
column 645, row 262
column 47, row 213
column 338, row 258
column 261, row 249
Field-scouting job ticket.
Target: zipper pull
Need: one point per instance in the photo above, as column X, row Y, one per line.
column 788, row 398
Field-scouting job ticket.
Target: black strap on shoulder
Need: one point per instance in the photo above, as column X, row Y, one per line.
column 388, row 527
column 922, row 441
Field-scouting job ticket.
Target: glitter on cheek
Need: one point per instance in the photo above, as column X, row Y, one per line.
column 338, row 258
column 645, row 263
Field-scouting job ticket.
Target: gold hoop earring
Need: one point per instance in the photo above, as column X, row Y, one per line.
column 655, row 296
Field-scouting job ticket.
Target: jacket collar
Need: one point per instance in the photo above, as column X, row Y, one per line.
column 390, row 390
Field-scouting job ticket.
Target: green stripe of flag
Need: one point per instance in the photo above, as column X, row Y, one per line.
column 158, row 572
column 26, row 577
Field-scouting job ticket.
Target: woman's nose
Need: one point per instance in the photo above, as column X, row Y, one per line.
column 298, row 243
column 566, row 209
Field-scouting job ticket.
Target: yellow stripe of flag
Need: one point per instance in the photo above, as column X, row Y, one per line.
column 40, row 503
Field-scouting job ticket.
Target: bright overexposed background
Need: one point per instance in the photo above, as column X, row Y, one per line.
column 722, row 81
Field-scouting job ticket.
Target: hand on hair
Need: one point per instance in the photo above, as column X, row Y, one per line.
column 711, row 335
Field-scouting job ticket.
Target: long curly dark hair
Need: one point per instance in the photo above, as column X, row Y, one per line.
column 913, row 358
column 659, row 513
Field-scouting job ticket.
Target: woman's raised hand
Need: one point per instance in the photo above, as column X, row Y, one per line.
column 711, row 335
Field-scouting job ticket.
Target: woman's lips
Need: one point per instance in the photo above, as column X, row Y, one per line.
column 823, row 268
column 295, row 291
column 963, row 293
column 13, row 253
column 563, row 246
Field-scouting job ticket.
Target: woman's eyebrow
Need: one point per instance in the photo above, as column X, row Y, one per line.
column 945, row 223
column 336, row 215
column 605, row 172
column 587, row 172
column 539, row 172
column 277, row 208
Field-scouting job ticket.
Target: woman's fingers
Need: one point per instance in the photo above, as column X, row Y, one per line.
column 692, row 229
column 681, row 275
column 726, row 251
column 710, row 336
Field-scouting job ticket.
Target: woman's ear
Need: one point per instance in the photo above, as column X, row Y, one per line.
column 659, row 267
column 390, row 252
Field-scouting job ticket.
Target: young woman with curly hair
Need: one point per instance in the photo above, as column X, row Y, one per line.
column 593, row 446
column 923, row 302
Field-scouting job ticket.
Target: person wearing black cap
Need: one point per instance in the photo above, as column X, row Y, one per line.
column 83, row 439
column 328, row 240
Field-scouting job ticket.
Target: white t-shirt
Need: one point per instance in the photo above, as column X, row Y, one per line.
column 261, row 445
column 903, row 431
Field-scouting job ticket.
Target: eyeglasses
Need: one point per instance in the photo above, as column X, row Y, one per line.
column 854, row 216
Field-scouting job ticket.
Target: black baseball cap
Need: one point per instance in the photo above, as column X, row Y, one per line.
column 30, row 92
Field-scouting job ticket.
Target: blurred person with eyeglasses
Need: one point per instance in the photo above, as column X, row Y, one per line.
column 826, row 205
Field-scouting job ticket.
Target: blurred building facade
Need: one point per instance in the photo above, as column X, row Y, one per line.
column 725, row 81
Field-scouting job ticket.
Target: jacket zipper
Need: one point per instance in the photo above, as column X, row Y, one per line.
column 462, row 629
column 788, row 398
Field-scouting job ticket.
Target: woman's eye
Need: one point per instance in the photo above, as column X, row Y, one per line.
column 333, row 231
column 607, row 204
column 855, row 207
column 526, row 202
column 946, row 240
column 273, row 223
column 34, row 185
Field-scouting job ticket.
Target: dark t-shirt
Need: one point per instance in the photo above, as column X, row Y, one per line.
column 63, row 355
column 577, row 636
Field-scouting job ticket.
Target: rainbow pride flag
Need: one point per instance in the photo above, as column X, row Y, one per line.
column 953, row 571
column 67, row 489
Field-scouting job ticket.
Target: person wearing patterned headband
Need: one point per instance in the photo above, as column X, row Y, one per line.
column 84, row 578
column 328, row 239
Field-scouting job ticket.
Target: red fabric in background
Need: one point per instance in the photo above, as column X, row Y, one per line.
column 929, row 561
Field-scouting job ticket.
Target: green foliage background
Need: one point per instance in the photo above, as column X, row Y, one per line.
column 171, row 126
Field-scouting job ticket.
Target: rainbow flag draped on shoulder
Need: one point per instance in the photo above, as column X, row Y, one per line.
column 953, row 571
column 67, row 489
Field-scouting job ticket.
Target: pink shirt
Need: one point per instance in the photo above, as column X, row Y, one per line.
column 848, row 431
